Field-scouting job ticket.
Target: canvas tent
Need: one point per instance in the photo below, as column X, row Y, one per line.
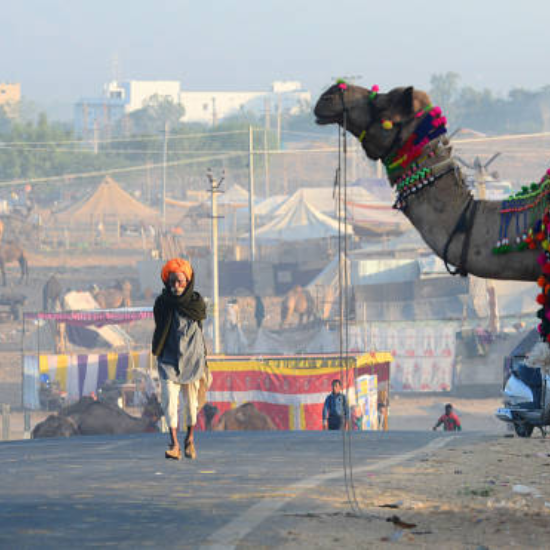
column 302, row 222
column 108, row 202
column 323, row 199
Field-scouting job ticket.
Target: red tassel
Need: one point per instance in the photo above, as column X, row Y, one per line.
column 546, row 268
column 541, row 299
column 532, row 245
column 541, row 281
column 540, row 236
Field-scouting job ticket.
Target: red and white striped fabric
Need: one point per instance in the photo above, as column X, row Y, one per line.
column 290, row 390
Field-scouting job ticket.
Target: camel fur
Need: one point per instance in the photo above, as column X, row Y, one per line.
column 12, row 252
column 245, row 417
column 90, row 417
column 299, row 301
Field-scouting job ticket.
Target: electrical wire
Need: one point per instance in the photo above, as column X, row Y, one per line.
column 343, row 282
column 61, row 177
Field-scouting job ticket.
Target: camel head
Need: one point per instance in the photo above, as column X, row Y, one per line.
column 382, row 122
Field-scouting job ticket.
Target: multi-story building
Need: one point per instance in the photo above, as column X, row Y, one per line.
column 10, row 97
column 97, row 116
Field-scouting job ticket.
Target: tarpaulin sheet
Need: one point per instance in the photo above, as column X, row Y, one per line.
column 290, row 390
column 94, row 317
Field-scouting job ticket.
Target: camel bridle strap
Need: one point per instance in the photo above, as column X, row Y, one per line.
column 464, row 225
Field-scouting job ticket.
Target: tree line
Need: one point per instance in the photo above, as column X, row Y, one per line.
column 37, row 148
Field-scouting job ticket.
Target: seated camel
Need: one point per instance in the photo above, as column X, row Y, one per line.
column 118, row 296
column 246, row 417
column 90, row 417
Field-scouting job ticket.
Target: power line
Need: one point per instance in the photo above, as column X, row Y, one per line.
column 114, row 170
column 129, row 140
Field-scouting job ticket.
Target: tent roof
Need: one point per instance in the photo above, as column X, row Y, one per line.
column 109, row 199
column 302, row 222
column 234, row 196
column 329, row 277
column 323, row 199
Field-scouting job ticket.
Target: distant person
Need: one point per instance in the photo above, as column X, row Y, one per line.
column 450, row 421
column 335, row 410
column 259, row 311
column 178, row 343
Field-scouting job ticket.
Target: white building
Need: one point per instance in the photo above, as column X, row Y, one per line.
column 209, row 107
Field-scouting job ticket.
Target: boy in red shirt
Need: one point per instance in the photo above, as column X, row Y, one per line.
column 450, row 420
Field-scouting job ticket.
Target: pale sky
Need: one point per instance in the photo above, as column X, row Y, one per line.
column 61, row 50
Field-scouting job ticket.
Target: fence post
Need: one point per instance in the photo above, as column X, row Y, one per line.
column 26, row 425
column 5, row 422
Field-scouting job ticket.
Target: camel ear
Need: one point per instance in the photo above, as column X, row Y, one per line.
column 406, row 101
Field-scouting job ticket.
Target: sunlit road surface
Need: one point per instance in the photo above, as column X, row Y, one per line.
column 121, row 491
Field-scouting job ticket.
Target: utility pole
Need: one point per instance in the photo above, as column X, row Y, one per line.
column 266, row 147
column 164, row 159
column 251, row 193
column 215, row 189
column 214, row 113
column 96, row 137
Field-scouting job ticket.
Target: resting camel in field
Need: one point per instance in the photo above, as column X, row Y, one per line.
column 118, row 296
column 300, row 301
column 90, row 417
column 12, row 252
column 245, row 417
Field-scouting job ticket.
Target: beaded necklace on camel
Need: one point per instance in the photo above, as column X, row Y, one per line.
column 529, row 211
column 412, row 155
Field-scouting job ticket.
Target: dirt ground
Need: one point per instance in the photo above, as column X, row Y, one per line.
column 493, row 494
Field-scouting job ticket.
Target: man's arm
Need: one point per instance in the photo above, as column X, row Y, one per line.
column 325, row 413
column 439, row 422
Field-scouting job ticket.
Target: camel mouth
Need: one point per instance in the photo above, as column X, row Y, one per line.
column 323, row 121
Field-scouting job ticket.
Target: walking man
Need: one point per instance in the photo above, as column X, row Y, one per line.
column 335, row 410
column 178, row 343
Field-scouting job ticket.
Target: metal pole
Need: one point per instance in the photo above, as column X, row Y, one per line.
column 267, row 126
column 214, row 189
column 164, row 158
column 266, row 164
column 251, row 193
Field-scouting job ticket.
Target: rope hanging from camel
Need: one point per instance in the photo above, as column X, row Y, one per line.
column 341, row 183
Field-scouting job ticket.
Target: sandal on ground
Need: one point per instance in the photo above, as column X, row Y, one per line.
column 173, row 453
column 190, row 451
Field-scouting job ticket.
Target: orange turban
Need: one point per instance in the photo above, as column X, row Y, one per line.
column 176, row 265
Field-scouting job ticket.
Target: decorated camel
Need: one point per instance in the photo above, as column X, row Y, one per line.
column 507, row 240
column 403, row 130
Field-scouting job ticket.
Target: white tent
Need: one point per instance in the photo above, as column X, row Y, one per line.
column 236, row 196
column 300, row 223
column 324, row 199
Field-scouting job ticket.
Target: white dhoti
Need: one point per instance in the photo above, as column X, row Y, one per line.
column 194, row 397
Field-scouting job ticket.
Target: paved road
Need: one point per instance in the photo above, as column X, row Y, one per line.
column 120, row 491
